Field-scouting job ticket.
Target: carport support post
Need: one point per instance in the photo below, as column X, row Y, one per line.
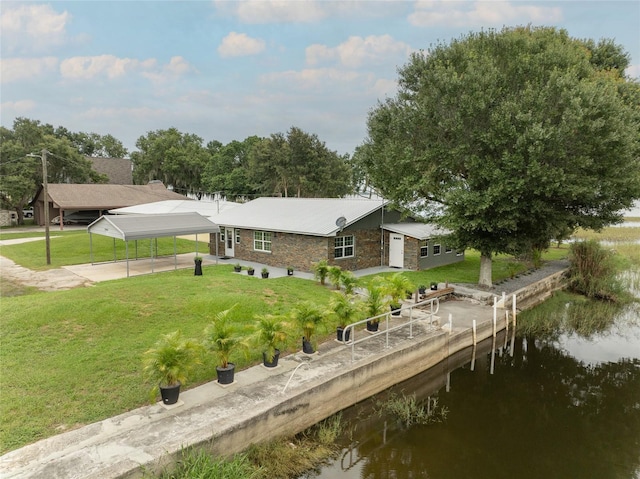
column 175, row 254
column 126, row 249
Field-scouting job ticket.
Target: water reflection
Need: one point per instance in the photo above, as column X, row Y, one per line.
column 566, row 409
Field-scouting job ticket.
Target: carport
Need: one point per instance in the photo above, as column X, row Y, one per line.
column 136, row 227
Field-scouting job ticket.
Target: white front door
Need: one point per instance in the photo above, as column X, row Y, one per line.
column 228, row 242
column 396, row 250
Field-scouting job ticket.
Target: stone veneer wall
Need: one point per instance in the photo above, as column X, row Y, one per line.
column 302, row 251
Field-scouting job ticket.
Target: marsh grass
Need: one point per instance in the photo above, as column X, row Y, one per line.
column 291, row 457
column 408, row 411
column 566, row 313
column 612, row 234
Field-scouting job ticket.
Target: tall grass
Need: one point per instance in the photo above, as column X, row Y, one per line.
column 198, row 464
column 592, row 271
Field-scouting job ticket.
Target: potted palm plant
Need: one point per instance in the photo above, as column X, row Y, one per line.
column 271, row 335
column 169, row 363
column 321, row 270
column 310, row 319
column 289, row 270
column 349, row 282
column 345, row 309
column 396, row 286
column 223, row 339
column 265, row 272
column 250, row 270
column 375, row 303
column 335, row 276
column 237, row 268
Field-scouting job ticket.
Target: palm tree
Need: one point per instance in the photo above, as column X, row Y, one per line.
column 271, row 334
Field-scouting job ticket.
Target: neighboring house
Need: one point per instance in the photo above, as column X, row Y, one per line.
column 118, row 170
column 351, row 233
column 70, row 198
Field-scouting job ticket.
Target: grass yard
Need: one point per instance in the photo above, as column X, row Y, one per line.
column 70, row 358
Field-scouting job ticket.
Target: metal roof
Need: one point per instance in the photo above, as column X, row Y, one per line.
column 419, row 231
column 133, row 227
column 210, row 209
column 307, row 216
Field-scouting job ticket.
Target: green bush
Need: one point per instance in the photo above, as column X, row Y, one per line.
column 592, row 271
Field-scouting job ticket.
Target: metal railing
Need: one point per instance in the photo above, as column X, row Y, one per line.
column 350, row 330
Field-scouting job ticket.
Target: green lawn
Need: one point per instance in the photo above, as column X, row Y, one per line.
column 70, row 358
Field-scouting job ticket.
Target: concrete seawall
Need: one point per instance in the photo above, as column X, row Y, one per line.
column 261, row 405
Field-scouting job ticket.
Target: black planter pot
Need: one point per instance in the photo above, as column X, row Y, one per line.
column 273, row 363
column 237, row 269
column 250, row 272
column 198, row 270
column 340, row 334
column 226, row 375
column 289, row 272
column 422, row 290
column 307, row 347
column 372, row 326
column 170, row 394
column 434, row 286
column 395, row 309
column 265, row 275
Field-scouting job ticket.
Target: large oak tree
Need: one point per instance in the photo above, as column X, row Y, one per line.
column 509, row 139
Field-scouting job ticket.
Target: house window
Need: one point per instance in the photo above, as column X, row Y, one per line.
column 343, row 247
column 237, row 235
column 424, row 248
column 262, row 241
column 436, row 249
column 448, row 249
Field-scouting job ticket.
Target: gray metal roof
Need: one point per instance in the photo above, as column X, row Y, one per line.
column 419, row 231
column 132, row 227
column 308, row 216
column 210, row 209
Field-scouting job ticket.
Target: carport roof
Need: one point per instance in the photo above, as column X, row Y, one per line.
column 133, row 227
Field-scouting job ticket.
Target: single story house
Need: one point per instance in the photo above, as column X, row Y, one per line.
column 96, row 198
column 351, row 233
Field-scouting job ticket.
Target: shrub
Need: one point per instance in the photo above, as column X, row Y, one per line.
column 592, row 271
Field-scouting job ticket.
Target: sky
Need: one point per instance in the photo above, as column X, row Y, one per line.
column 227, row 70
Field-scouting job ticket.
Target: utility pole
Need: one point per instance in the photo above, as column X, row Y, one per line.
column 45, row 192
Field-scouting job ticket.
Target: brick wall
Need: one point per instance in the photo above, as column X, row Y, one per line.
column 301, row 252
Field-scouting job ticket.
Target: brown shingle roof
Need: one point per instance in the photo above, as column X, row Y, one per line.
column 103, row 197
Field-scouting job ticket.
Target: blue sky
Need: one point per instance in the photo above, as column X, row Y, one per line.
column 226, row 70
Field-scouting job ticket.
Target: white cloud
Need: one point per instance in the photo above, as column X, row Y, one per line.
column 21, row 69
column 17, row 108
column 276, row 11
column 176, row 67
column 85, row 68
column 358, row 51
column 240, row 44
column 483, row 13
column 27, row 28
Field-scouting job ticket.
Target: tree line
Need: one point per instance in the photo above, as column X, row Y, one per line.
column 293, row 164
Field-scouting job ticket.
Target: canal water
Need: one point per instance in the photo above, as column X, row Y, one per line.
column 517, row 407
